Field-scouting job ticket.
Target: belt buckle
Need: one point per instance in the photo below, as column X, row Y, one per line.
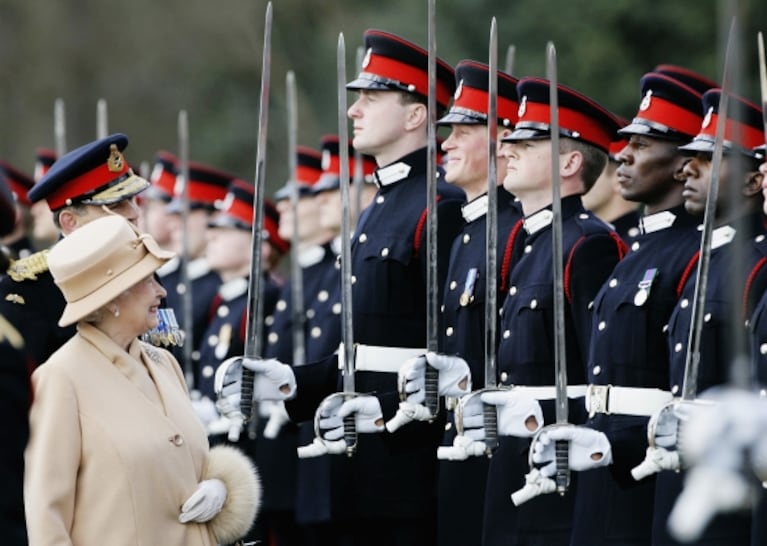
column 598, row 396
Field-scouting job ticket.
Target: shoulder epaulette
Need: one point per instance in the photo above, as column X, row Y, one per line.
column 27, row 269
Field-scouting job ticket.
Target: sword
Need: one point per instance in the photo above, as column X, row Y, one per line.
column 510, row 54
column 358, row 178
column 101, row 119
column 296, row 275
column 60, row 127
column 490, row 416
column 763, row 80
column 254, row 324
column 186, row 297
column 562, row 478
column 431, row 377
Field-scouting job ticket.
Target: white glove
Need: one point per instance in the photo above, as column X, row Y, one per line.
column 205, row 503
column 454, row 376
column 205, row 410
column 278, row 416
column 274, row 380
column 519, row 414
column 368, row 416
column 655, row 460
column 463, row 447
column 588, row 448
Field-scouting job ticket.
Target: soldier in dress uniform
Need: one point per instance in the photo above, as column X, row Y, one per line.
column 154, row 201
column 44, row 230
column 462, row 321
column 628, row 345
column 18, row 242
column 207, row 187
column 15, row 399
column 316, row 496
column 605, row 200
column 738, row 220
column 389, row 485
column 86, row 183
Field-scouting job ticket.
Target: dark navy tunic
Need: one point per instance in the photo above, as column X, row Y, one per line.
column 462, row 333
column 716, row 351
column 391, row 475
column 526, row 357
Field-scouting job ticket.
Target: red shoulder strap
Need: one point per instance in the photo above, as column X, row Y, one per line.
column 749, row 282
column 620, row 245
column 686, row 273
column 506, row 263
column 419, row 230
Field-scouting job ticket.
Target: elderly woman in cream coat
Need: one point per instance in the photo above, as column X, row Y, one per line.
column 117, row 455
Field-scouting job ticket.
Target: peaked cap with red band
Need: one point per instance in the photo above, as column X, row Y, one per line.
column 44, row 158
column 395, row 64
column 163, row 177
column 691, row 79
column 669, row 109
column 308, row 172
column 236, row 211
column 619, row 141
column 744, row 129
column 18, row 182
column 207, row 187
column 580, row 118
column 470, row 101
column 331, row 165
column 94, row 174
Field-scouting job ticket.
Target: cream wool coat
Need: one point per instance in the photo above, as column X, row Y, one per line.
column 107, row 465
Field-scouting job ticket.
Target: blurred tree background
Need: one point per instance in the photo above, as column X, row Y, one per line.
column 149, row 59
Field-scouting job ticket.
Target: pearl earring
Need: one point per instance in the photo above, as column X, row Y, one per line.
column 117, row 311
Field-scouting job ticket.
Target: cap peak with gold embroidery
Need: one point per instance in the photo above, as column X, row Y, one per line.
column 93, row 174
column 669, row 109
column 18, row 182
column 395, row 64
column 236, row 211
column 471, row 97
column 331, row 165
column 580, row 118
column 744, row 129
column 308, row 172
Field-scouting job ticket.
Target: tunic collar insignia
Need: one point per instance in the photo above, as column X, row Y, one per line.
column 476, row 208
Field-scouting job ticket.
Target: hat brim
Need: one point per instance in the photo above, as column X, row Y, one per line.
column 460, row 118
column 527, row 134
column 227, row 221
column 635, row 128
column 304, row 190
column 77, row 310
column 361, row 82
column 122, row 190
column 327, row 182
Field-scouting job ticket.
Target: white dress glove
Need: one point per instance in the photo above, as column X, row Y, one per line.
column 274, row 380
column 588, row 448
column 519, row 414
column 454, row 376
column 276, row 415
column 368, row 416
column 205, row 409
column 205, row 503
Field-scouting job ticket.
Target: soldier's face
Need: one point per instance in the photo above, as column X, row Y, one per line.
column 308, row 218
column 528, row 166
column 698, row 172
column 466, row 156
column 647, row 170
column 379, row 119
column 228, row 251
column 196, row 228
column 330, row 209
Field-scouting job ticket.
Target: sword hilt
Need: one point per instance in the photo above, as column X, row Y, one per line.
column 490, row 421
column 562, row 454
column 431, row 390
column 246, row 393
column 350, row 435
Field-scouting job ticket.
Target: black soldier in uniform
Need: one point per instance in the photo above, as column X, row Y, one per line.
column 86, row 183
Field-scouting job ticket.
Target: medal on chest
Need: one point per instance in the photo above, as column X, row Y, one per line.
column 644, row 287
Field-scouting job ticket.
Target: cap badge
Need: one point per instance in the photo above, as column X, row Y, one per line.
column 227, row 203
column 178, row 187
column 366, row 60
column 116, row 161
column 707, row 119
column 156, row 173
column 458, row 90
column 522, row 107
column 645, row 104
column 325, row 160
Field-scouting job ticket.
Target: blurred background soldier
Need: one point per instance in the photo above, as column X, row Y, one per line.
column 44, row 230
column 86, row 183
column 154, row 201
column 18, row 241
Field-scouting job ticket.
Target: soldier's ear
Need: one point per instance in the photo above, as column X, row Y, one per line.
column 753, row 184
column 67, row 221
column 416, row 115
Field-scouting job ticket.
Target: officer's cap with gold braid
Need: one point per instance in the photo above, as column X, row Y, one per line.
column 392, row 63
column 744, row 129
column 470, row 102
column 580, row 118
column 94, row 174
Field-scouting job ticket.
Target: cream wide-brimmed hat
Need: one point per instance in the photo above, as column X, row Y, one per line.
column 100, row 260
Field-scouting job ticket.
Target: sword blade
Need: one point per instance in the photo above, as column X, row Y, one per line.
column 347, row 325
column 60, row 127
column 186, row 295
column 491, row 240
column 254, row 325
column 562, row 477
column 102, row 123
column 763, row 81
column 510, row 56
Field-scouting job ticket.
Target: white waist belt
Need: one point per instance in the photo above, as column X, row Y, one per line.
column 372, row 358
column 625, row 400
column 550, row 393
